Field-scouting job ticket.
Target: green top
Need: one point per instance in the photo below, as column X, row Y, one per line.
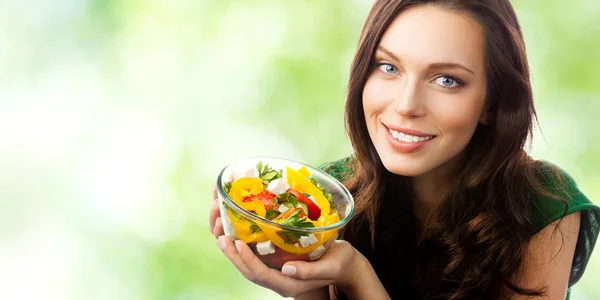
column 548, row 211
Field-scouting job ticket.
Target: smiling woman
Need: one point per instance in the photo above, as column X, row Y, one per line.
column 448, row 203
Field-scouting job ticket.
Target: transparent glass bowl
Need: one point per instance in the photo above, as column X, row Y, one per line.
column 237, row 221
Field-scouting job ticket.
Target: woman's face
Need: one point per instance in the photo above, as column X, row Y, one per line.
column 426, row 94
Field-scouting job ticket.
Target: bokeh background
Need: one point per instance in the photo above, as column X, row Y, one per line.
column 117, row 115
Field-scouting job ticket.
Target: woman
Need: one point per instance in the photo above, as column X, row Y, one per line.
column 449, row 206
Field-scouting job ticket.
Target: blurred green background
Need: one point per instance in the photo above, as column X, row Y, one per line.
column 116, row 116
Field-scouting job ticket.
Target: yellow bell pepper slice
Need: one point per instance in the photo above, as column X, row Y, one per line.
column 256, row 205
column 245, row 187
column 304, row 172
column 243, row 231
column 326, row 220
column 303, row 185
column 271, row 233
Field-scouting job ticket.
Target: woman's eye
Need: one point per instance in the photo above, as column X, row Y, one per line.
column 387, row 68
column 447, row 82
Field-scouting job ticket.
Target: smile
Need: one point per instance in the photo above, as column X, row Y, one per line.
column 407, row 138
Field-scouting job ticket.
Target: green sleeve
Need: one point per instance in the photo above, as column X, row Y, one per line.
column 340, row 169
column 549, row 210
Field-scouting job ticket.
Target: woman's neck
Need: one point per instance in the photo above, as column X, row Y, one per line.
column 430, row 189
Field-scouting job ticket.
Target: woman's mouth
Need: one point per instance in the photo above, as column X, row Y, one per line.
column 407, row 140
column 400, row 136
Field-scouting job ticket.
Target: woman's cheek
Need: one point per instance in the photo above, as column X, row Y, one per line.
column 377, row 95
column 457, row 117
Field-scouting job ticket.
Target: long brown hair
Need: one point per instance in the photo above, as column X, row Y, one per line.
column 476, row 241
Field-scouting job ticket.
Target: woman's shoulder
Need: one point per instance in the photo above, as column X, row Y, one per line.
column 563, row 195
column 564, row 198
column 341, row 169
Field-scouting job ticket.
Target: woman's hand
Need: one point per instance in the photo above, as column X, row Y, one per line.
column 340, row 265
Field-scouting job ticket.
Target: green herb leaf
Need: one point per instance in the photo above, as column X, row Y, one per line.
column 270, row 175
column 295, row 221
column 290, row 237
column 313, row 180
column 255, row 228
column 259, row 166
column 327, row 195
column 329, row 198
column 267, row 174
column 288, row 197
column 228, row 187
column 233, row 212
column 272, row 214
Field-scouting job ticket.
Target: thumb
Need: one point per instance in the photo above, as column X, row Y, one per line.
column 321, row 269
column 327, row 267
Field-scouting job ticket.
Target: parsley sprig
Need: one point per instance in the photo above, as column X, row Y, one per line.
column 289, row 236
column 271, row 214
column 288, row 197
column 255, row 228
column 327, row 195
column 267, row 174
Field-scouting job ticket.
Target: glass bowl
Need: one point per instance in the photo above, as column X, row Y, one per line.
column 275, row 241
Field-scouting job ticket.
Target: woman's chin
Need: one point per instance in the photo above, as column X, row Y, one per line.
column 404, row 168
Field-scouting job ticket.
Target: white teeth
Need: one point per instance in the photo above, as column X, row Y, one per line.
column 409, row 138
column 402, row 137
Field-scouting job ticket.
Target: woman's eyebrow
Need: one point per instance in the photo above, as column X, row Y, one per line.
column 388, row 52
column 449, row 65
column 433, row 66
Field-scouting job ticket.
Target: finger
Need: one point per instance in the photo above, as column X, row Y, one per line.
column 328, row 267
column 218, row 230
column 273, row 279
column 215, row 192
column 214, row 213
column 226, row 245
column 255, row 265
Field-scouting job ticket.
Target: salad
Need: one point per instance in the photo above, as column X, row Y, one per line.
column 287, row 197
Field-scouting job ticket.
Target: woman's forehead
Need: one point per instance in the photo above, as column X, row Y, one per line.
column 432, row 34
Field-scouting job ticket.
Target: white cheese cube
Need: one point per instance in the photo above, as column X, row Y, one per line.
column 282, row 208
column 316, row 254
column 265, row 248
column 306, row 241
column 248, row 172
column 278, row 186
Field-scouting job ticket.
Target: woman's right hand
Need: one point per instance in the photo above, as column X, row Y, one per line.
column 216, row 227
column 214, row 220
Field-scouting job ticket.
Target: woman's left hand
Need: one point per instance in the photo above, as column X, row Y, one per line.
column 338, row 266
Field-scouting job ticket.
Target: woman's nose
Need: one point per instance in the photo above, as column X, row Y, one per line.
column 409, row 101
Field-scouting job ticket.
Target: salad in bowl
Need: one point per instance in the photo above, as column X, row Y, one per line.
column 282, row 209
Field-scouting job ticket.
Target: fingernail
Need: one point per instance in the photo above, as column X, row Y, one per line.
column 215, row 204
column 288, row 270
column 221, row 243
column 238, row 245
